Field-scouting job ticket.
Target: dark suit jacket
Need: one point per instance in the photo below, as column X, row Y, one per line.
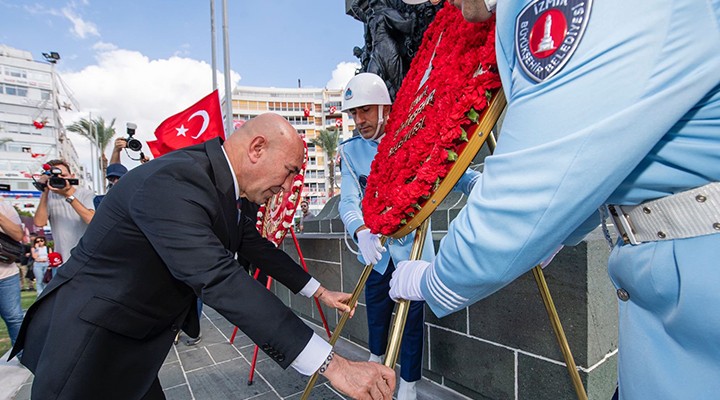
column 166, row 233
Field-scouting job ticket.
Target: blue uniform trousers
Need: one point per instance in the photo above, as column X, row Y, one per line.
column 379, row 314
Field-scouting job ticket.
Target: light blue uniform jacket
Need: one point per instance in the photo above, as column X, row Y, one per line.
column 357, row 155
column 633, row 116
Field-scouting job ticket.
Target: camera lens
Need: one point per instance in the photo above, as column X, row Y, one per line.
column 134, row 144
column 57, row 182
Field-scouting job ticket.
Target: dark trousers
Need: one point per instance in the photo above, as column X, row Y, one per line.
column 379, row 314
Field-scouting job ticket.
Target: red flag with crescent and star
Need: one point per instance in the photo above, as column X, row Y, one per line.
column 198, row 123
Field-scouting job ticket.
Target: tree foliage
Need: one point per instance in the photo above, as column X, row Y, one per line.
column 328, row 140
column 96, row 131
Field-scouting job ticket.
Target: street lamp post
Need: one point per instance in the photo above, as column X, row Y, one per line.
column 52, row 58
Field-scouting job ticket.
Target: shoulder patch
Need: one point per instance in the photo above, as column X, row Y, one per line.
column 547, row 32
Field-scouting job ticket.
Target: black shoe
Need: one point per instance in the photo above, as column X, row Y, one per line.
column 193, row 341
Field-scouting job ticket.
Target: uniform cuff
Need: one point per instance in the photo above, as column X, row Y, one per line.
column 310, row 288
column 353, row 227
column 441, row 299
column 313, row 356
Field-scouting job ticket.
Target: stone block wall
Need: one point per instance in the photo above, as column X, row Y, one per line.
column 502, row 347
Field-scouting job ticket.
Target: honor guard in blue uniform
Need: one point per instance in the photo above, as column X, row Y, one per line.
column 367, row 100
column 613, row 108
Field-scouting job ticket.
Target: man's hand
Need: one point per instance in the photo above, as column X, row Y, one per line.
column 370, row 246
column 43, row 179
column 117, row 149
column 337, row 300
column 361, row 380
column 405, row 282
column 120, row 144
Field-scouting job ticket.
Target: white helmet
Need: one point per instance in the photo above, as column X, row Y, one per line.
column 365, row 89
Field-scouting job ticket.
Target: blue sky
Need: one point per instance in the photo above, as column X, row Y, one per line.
column 272, row 42
column 142, row 61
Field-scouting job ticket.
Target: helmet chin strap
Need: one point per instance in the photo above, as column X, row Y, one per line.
column 377, row 136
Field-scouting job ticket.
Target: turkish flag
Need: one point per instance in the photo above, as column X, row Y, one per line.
column 200, row 122
column 157, row 148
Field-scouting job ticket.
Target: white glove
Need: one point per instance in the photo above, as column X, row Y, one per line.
column 370, row 246
column 405, row 282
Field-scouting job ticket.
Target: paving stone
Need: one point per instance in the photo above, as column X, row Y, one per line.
column 222, row 352
column 171, row 374
column 285, row 382
column 267, row 396
column 195, row 358
column 226, row 380
column 181, row 392
column 320, row 392
column 171, row 357
column 242, row 340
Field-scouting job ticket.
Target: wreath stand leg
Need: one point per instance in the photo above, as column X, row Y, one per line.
column 317, row 302
column 401, row 313
column 343, row 319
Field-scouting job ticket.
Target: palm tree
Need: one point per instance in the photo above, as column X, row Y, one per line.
column 328, row 140
column 96, row 130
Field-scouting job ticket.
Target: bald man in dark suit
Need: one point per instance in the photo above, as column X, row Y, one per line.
column 166, row 235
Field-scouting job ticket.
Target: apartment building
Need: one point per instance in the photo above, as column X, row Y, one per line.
column 309, row 111
column 31, row 131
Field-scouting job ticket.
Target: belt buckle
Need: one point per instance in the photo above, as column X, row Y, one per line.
column 622, row 223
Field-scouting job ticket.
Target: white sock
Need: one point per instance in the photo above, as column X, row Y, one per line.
column 407, row 390
column 376, row 359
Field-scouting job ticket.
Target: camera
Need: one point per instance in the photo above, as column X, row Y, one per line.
column 54, row 180
column 132, row 143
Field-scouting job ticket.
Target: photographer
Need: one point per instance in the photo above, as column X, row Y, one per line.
column 10, row 308
column 113, row 173
column 115, row 170
column 122, row 143
column 69, row 209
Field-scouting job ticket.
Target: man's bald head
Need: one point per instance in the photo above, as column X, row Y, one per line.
column 266, row 153
column 273, row 126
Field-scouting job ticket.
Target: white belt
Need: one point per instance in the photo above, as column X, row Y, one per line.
column 691, row 213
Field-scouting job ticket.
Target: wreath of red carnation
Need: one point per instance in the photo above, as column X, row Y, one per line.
column 275, row 217
column 432, row 118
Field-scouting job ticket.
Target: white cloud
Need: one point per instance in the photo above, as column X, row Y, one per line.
column 104, row 46
column 130, row 87
column 80, row 27
column 342, row 74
